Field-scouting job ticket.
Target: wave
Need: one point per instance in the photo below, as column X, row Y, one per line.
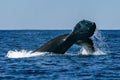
column 27, row 54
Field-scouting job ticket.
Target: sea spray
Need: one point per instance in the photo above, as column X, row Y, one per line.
column 28, row 54
column 99, row 41
column 23, row 54
column 99, row 44
column 97, row 52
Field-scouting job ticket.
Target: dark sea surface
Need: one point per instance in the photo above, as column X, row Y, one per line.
column 16, row 63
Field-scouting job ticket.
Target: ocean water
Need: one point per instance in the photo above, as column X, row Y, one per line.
column 17, row 62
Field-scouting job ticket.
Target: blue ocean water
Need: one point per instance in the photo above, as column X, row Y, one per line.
column 19, row 66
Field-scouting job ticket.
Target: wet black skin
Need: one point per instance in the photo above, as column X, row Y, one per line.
column 80, row 34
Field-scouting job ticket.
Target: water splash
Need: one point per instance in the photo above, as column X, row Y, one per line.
column 27, row 54
column 97, row 52
column 23, row 54
column 100, row 41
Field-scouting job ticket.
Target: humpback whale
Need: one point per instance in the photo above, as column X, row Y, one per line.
column 80, row 35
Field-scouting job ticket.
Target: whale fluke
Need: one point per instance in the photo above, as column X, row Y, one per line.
column 81, row 34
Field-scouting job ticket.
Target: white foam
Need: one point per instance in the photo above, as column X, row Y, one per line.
column 97, row 52
column 23, row 54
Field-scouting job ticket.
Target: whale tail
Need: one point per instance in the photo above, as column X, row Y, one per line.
column 87, row 44
column 82, row 31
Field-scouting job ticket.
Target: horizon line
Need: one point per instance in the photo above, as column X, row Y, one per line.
column 53, row 29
